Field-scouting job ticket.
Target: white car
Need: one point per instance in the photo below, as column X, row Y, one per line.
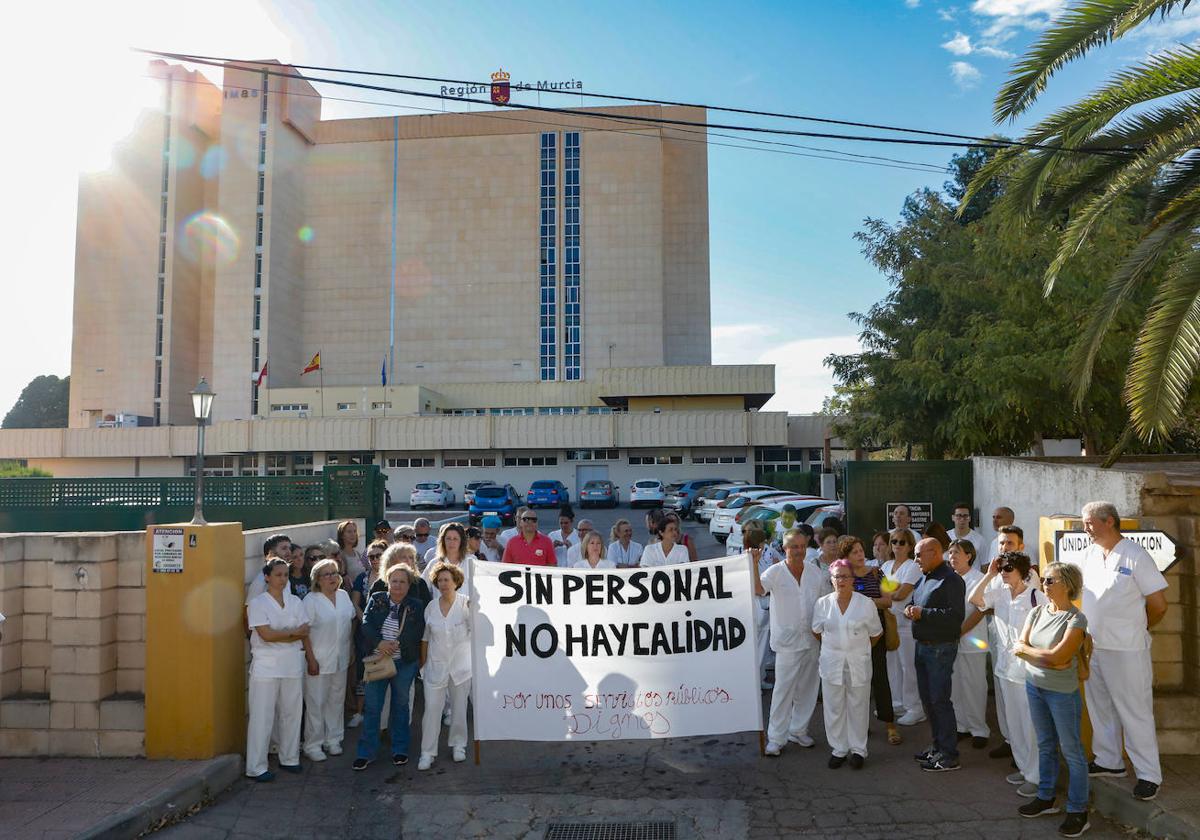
column 647, row 491
column 432, row 494
column 807, row 508
column 722, row 520
column 710, row 497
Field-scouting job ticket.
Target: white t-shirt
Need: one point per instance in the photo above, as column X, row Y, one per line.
column 464, row 567
column 580, row 563
column 490, row 555
column 653, row 555
column 976, row 540
column 424, row 547
column 846, row 638
column 329, row 628
column 560, row 552
column 908, row 572
column 448, row 658
column 976, row 640
column 504, row 536
column 276, row 659
column 258, row 585
column 1010, row 614
column 1114, row 594
column 625, row 557
column 792, row 605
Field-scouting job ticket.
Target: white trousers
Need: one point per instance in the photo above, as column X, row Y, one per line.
column 1021, row 736
column 847, row 711
column 273, row 698
column 762, row 618
column 1120, row 703
column 324, row 720
column 993, row 642
column 902, row 671
column 431, row 721
column 968, row 693
column 795, row 694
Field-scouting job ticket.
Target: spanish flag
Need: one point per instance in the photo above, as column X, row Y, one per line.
column 315, row 364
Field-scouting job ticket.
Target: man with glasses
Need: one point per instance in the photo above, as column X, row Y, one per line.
column 508, row 533
column 530, row 547
column 963, row 530
column 423, row 542
column 574, row 553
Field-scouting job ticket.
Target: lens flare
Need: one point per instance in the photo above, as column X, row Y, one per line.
column 185, row 153
column 888, row 584
column 212, row 163
column 209, row 238
column 305, row 234
column 980, row 643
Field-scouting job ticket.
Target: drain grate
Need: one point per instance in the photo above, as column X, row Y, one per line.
column 656, row 830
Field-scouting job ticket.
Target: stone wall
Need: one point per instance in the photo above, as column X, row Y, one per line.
column 73, row 653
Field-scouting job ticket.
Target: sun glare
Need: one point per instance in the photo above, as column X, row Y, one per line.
column 120, row 88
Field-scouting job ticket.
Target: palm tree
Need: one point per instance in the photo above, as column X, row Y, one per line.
column 1139, row 130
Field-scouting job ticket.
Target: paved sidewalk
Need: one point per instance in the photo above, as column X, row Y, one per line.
column 103, row 797
column 1174, row 813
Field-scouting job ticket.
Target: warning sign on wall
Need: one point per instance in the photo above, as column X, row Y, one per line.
column 167, row 555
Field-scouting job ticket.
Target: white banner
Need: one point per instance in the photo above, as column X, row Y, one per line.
column 571, row 654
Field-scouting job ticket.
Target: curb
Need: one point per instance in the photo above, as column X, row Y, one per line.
column 1115, row 802
column 175, row 801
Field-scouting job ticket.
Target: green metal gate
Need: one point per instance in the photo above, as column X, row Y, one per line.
column 873, row 488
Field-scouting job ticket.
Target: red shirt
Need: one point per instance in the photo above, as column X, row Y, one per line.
column 540, row 552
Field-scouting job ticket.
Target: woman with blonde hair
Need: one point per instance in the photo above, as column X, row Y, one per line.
column 327, row 655
column 451, row 548
column 902, row 576
column 445, row 664
column 593, row 554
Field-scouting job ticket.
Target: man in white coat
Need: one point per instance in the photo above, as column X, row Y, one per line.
column 963, row 531
column 794, row 587
column 1123, row 597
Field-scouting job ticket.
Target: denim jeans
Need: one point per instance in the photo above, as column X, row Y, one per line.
column 1056, row 717
column 398, row 726
column 935, row 668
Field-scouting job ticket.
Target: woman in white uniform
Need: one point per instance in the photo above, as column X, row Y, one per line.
column 903, row 574
column 1011, row 603
column 593, row 554
column 968, row 683
column 668, row 550
column 278, row 628
column 846, row 623
column 330, row 615
column 445, row 665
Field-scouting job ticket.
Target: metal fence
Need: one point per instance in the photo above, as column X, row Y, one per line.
column 130, row 504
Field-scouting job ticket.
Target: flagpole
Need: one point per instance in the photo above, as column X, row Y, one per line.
column 321, row 370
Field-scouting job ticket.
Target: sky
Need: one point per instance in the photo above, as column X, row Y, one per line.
column 786, row 271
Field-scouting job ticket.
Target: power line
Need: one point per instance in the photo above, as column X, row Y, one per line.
column 659, row 121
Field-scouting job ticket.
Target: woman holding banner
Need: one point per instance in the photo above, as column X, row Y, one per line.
column 445, row 665
column 668, row 550
column 846, row 623
column 593, row 554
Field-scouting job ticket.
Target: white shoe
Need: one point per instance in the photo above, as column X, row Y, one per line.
column 354, row 722
column 333, row 749
column 911, row 718
column 802, row 739
column 425, row 762
column 315, row 755
column 773, row 748
column 460, row 753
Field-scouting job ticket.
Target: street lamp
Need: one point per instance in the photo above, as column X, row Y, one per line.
column 202, row 399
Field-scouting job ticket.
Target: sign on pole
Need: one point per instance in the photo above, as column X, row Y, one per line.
column 573, row 654
column 1069, row 546
column 167, row 555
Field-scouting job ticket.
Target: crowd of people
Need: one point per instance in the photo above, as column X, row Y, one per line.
column 909, row 627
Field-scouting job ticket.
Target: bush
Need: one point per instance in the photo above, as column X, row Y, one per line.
column 15, row 469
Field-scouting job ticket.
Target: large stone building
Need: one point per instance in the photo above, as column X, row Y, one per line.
column 534, row 286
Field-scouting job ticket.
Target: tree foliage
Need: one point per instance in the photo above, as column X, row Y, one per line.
column 42, row 405
column 965, row 355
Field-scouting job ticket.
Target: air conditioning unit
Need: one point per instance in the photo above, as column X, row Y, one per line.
column 303, row 415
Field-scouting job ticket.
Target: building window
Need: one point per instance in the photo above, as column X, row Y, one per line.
column 572, row 274
column 548, row 259
column 348, row 406
column 407, row 463
column 531, row 461
column 511, row 412
column 377, row 406
column 289, row 406
column 468, row 462
column 302, row 463
column 559, row 409
column 649, row 460
column 593, row 454
column 718, row 459
column 216, row 465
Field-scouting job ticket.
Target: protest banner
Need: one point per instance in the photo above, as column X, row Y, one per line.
column 574, row 654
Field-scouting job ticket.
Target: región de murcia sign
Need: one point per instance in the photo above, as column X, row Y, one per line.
column 463, row 91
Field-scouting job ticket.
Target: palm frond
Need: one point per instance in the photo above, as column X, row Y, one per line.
column 997, row 167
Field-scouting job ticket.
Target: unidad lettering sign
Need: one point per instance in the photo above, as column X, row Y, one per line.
column 573, row 654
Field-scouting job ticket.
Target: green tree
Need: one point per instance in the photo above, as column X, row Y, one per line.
column 42, row 405
column 16, row 469
column 964, row 355
column 1142, row 129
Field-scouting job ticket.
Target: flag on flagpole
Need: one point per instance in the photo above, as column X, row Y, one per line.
column 262, row 375
column 315, row 364
column 383, row 373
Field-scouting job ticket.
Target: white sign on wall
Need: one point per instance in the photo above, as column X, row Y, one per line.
column 1069, row 546
column 167, row 554
column 572, row 654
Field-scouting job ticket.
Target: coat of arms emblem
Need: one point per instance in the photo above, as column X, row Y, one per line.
column 500, row 90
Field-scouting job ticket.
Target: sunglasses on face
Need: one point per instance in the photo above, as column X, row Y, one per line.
column 1008, row 568
column 1049, row 581
column 327, row 574
column 899, row 542
column 529, row 519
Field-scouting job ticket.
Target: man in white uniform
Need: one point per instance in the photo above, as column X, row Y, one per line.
column 963, row 530
column 1124, row 595
column 490, row 549
column 582, row 529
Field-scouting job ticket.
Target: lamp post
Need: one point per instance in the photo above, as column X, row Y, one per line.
column 202, row 399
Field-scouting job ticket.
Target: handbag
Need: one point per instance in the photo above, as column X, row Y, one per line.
column 380, row 666
column 891, row 633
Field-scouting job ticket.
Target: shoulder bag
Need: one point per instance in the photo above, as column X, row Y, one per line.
column 380, row 666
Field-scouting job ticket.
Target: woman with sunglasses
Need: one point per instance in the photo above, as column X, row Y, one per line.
column 327, row 654
column 1011, row 604
column 1050, row 644
column 902, row 576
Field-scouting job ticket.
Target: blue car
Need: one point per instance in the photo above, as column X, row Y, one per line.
column 494, row 500
column 547, row 494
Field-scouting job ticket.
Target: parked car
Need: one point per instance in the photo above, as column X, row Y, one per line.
column 681, row 495
column 817, row 517
column 494, row 500
column 647, row 491
column 432, row 494
column 469, row 491
column 599, row 492
column 706, row 503
column 722, row 521
column 768, row 512
column 547, row 493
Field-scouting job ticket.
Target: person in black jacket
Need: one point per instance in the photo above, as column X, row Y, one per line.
column 936, row 612
column 393, row 625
